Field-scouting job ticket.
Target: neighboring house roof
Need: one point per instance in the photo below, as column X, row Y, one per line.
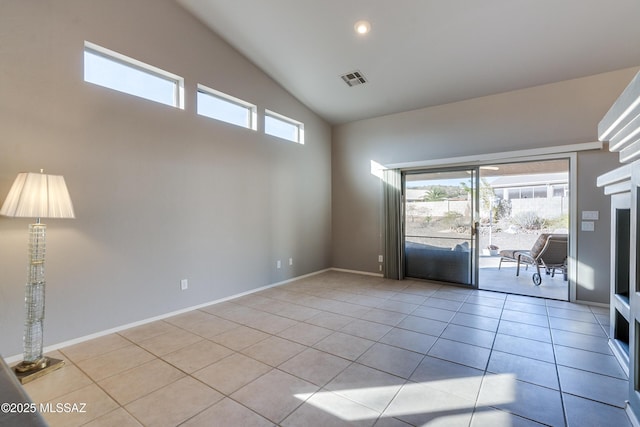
column 530, row 180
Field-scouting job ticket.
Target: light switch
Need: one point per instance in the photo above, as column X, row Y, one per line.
column 591, row 215
column 588, row 226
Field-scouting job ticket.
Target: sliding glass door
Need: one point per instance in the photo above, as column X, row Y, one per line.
column 520, row 203
column 440, row 208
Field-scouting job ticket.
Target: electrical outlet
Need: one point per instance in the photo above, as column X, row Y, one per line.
column 184, row 284
column 290, row 261
column 278, row 264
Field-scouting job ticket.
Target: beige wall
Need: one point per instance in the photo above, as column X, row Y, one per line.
column 593, row 252
column 545, row 116
column 161, row 194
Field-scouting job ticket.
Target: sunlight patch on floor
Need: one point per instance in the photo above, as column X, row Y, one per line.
column 411, row 399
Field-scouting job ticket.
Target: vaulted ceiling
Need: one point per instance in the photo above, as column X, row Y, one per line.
column 422, row 53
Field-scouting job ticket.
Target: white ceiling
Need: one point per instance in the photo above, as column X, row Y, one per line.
column 422, row 53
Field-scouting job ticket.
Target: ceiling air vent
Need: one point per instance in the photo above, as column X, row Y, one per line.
column 353, row 78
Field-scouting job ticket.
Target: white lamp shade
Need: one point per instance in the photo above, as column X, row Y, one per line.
column 36, row 195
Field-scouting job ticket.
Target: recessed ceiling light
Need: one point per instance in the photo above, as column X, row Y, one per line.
column 362, row 27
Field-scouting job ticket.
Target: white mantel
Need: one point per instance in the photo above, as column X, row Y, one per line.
column 620, row 128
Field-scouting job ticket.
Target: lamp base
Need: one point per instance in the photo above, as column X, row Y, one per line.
column 29, row 371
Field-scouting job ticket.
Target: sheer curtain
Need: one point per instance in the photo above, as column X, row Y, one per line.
column 392, row 199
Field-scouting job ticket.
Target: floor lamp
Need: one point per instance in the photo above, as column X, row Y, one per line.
column 36, row 195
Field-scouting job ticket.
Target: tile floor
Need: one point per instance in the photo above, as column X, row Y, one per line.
column 344, row 349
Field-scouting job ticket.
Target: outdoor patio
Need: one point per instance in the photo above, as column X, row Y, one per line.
column 505, row 280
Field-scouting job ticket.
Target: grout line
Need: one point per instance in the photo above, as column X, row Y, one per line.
column 555, row 365
column 328, row 288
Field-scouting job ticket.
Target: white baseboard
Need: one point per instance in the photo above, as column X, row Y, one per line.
column 365, row 273
column 18, row 357
column 594, row 304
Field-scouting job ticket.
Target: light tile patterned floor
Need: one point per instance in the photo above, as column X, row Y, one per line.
column 343, row 349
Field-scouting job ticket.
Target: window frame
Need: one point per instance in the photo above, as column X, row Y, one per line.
column 132, row 63
column 279, row 117
column 252, row 109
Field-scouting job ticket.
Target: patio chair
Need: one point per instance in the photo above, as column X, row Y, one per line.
column 549, row 252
